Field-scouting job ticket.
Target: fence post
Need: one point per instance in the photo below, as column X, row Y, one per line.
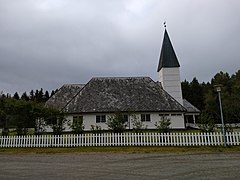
column 237, row 137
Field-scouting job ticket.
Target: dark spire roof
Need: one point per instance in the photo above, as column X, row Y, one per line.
column 168, row 57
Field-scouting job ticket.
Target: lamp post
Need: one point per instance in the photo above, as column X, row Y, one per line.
column 218, row 88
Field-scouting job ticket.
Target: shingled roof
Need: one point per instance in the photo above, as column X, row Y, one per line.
column 189, row 107
column 168, row 57
column 64, row 95
column 112, row 94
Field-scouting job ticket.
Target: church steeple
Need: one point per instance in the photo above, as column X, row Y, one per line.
column 168, row 57
column 169, row 69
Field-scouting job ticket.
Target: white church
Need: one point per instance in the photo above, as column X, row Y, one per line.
column 134, row 97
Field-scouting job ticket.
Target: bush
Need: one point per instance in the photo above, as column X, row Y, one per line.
column 163, row 125
column 138, row 125
column 5, row 132
column 96, row 129
column 77, row 126
column 116, row 123
column 57, row 121
column 206, row 123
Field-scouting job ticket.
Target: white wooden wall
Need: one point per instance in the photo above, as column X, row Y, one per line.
column 170, row 80
column 177, row 122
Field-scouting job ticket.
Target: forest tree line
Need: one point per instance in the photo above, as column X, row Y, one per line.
column 22, row 111
column 205, row 97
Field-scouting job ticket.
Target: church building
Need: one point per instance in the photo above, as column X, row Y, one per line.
column 138, row 98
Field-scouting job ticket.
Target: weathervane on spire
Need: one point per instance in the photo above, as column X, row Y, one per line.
column 165, row 24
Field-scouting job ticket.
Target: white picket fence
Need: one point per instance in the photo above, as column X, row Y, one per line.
column 122, row 139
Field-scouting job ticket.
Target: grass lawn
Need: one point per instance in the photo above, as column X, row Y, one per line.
column 202, row 149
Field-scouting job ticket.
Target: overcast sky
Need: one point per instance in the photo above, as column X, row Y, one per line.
column 48, row 43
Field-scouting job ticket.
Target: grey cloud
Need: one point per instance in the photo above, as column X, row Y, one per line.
column 46, row 43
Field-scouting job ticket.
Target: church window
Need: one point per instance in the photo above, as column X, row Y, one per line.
column 100, row 118
column 125, row 118
column 77, row 120
column 145, row 117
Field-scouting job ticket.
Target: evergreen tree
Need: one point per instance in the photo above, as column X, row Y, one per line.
column 3, row 95
column 193, row 92
column 197, row 94
column 39, row 95
column 36, row 97
column 46, row 96
column 52, row 93
column 16, row 96
column 25, row 96
column 186, row 90
column 32, row 96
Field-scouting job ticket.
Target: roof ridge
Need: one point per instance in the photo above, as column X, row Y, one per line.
column 73, row 84
column 119, row 77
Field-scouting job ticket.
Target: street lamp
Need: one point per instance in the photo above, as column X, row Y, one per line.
column 218, row 88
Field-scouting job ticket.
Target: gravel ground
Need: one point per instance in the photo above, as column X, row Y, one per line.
column 120, row 166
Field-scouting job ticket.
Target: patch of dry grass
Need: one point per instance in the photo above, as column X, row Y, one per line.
column 132, row 149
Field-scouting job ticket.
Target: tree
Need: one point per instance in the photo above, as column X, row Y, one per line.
column 23, row 116
column 116, row 122
column 59, row 126
column 3, row 122
column 77, row 125
column 197, row 94
column 186, row 90
column 193, row 92
column 137, row 123
column 223, row 79
column 206, row 123
column 53, row 92
column 39, row 95
column 16, row 96
column 46, row 96
column 163, row 125
column 25, row 96
column 39, row 114
column 32, row 96
column 56, row 119
column 231, row 109
column 40, row 125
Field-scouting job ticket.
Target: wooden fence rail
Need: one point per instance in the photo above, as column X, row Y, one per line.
column 121, row 139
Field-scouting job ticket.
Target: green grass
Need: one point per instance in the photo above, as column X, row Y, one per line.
column 201, row 149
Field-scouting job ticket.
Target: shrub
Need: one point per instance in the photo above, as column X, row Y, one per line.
column 206, row 123
column 137, row 124
column 77, row 125
column 163, row 124
column 96, row 129
column 116, row 122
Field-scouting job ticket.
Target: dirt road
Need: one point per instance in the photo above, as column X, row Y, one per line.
column 120, row 166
